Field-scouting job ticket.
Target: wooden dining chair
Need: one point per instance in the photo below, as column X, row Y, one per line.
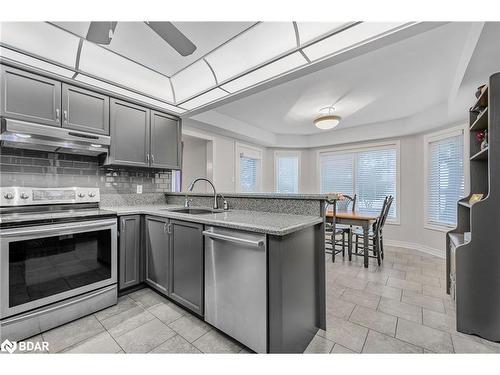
column 337, row 235
column 375, row 236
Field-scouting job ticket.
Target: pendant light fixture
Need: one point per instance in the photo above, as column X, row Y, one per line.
column 326, row 119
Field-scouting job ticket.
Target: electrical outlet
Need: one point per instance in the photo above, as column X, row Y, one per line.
column 139, row 189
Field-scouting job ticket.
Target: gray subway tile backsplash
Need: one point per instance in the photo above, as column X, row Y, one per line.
column 47, row 169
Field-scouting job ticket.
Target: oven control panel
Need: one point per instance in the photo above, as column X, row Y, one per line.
column 24, row 196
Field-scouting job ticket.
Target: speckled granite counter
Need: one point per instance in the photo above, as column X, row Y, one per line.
column 255, row 221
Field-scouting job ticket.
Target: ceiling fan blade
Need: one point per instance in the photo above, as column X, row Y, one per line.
column 101, row 32
column 172, row 35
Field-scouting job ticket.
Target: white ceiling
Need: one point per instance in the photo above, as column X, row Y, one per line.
column 138, row 42
column 393, row 82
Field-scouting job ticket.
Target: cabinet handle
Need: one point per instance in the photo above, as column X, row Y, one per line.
column 57, row 113
column 169, row 228
column 152, row 159
column 65, row 116
column 165, row 227
column 147, row 158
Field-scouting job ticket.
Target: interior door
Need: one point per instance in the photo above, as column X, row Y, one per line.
column 165, row 141
column 85, row 110
column 129, row 134
column 30, row 97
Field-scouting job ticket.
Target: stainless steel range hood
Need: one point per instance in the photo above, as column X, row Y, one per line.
column 27, row 135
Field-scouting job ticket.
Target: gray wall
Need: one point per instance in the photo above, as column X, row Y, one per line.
column 47, row 169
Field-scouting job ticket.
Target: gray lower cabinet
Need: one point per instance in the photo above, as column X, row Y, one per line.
column 129, row 255
column 157, row 253
column 84, row 110
column 165, row 141
column 186, row 265
column 129, row 134
column 30, row 97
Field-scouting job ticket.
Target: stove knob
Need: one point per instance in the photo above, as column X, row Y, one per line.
column 24, row 196
column 91, row 194
column 8, row 196
column 81, row 195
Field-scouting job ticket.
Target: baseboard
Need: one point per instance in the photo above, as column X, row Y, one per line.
column 416, row 246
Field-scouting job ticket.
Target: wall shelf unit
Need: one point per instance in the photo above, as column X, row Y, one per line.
column 473, row 266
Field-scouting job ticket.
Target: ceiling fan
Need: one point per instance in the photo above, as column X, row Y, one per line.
column 102, row 33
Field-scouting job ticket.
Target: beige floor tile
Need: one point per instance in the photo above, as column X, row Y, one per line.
column 145, row 338
column 319, row 345
column 404, row 284
column 351, row 282
column 72, row 333
column 379, row 343
column 423, row 279
column 435, row 291
column 339, row 308
column 384, row 291
column 418, row 299
column 176, row 344
column 401, row 310
column 126, row 321
column 378, row 278
column 165, row 313
column 147, row 298
column 345, row 333
column 375, row 320
column 339, row 349
column 361, row 297
column 442, row 321
column 103, row 343
column 215, row 342
column 124, row 303
column 190, row 327
column 425, row 337
column 465, row 346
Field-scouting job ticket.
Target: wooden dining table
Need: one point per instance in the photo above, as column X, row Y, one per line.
column 358, row 219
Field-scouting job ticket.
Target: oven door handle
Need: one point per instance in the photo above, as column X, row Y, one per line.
column 57, row 228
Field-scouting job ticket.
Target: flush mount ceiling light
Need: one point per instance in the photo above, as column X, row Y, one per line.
column 326, row 120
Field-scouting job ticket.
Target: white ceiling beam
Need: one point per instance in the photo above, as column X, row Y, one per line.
column 476, row 28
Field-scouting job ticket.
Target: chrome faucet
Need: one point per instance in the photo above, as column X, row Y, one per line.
column 191, row 187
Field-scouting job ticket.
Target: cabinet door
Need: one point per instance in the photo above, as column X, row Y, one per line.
column 30, row 97
column 186, row 265
column 85, row 110
column 130, row 251
column 129, row 134
column 157, row 248
column 165, row 141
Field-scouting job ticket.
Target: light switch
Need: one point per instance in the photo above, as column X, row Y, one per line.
column 139, row 189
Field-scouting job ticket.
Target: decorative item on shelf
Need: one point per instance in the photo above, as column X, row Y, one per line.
column 482, row 137
column 475, row 198
column 480, row 90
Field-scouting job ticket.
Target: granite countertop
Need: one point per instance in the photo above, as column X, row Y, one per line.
column 320, row 197
column 255, row 221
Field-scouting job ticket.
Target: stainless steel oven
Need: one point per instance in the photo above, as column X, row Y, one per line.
column 44, row 264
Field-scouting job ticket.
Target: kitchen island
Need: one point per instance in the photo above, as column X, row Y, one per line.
column 265, row 286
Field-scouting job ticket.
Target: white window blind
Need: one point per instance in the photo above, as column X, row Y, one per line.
column 287, row 173
column 248, row 174
column 370, row 174
column 445, row 179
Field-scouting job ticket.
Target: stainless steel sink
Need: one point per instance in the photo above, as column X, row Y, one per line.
column 193, row 210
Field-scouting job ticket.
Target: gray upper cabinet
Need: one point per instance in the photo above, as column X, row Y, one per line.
column 186, row 265
column 129, row 134
column 30, row 97
column 157, row 253
column 130, row 251
column 165, row 141
column 85, row 110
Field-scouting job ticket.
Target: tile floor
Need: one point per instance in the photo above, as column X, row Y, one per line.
column 399, row 307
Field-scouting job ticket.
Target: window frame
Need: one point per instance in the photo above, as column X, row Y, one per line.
column 396, row 144
column 437, row 136
column 277, row 155
column 258, row 153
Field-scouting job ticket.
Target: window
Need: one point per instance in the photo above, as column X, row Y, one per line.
column 286, row 172
column 370, row 173
column 249, row 163
column 445, row 177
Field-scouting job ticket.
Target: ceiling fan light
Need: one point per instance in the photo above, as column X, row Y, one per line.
column 326, row 122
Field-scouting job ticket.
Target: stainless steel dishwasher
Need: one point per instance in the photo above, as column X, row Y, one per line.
column 235, row 285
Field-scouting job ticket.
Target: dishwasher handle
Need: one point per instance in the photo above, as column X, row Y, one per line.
column 241, row 241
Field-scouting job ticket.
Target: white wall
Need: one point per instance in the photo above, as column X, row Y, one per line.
column 194, row 162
